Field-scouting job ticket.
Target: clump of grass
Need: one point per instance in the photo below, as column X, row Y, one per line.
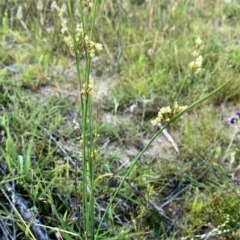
column 79, row 41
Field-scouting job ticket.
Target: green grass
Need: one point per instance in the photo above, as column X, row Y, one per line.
column 148, row 46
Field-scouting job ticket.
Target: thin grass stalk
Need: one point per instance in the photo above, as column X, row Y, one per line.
column 23, row 224
column 92, row 132
column 135, row 160
column 82, row 106
column 86, row 143
column 87, row 129
column 81, row 109
column 91, row 169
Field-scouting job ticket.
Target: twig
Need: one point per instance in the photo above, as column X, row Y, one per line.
column 20, row 205
column 159, row 210
column 169, row 138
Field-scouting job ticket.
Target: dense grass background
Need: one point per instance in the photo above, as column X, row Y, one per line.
column 148, row 46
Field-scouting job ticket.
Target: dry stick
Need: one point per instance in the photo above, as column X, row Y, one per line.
column 169, row 138
column 159, row 210
column 20, row 205
column 174, row 196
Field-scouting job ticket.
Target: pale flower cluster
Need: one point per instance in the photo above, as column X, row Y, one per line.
column 91, row 46
column 81, row 43
column 87, row 88
column 166, row 113
column 196, row 65
column 87, row 4
column 198, row 42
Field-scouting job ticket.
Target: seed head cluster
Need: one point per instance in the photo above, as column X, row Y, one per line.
column 196, row 65
column 167, row 113
column 87, row 4
column 82, row 42
column 87, row 88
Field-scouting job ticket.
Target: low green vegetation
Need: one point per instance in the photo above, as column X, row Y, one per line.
column 185, row 186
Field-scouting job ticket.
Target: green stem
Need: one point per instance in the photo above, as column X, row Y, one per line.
column 181, row 88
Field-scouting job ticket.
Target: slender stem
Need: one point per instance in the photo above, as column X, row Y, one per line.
column 88, row 146
column 181, row 88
